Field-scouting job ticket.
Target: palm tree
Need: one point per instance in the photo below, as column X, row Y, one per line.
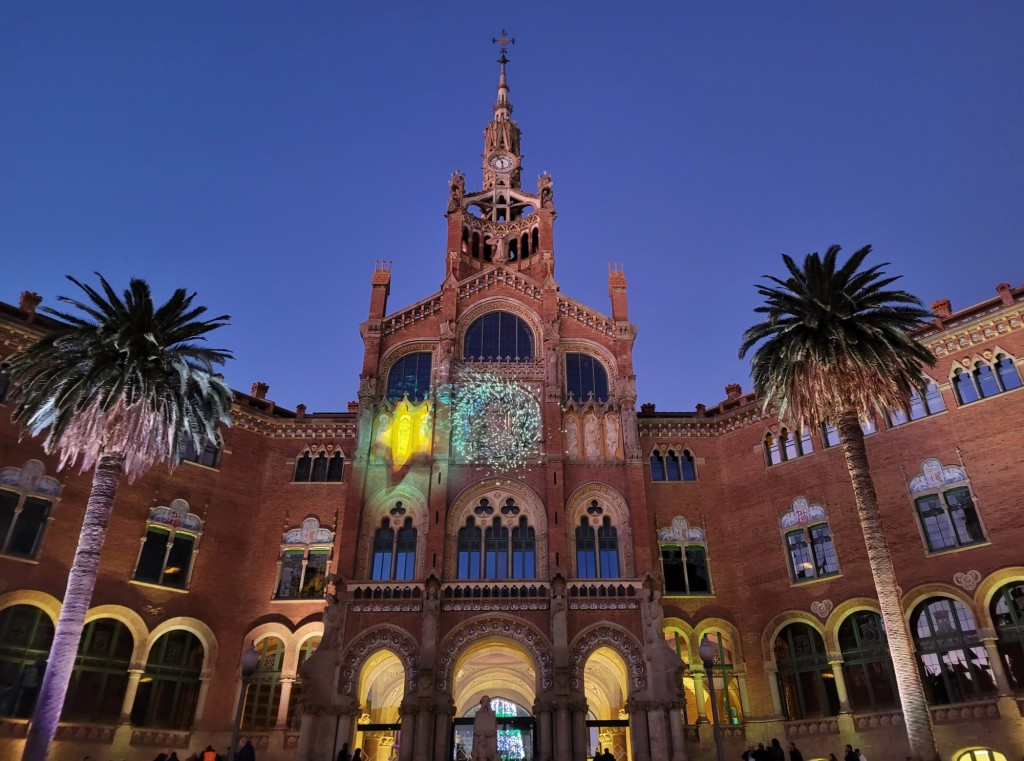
column 834, row 346
column 119, row 387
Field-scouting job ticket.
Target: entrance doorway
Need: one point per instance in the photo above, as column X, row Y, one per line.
column 382, row 685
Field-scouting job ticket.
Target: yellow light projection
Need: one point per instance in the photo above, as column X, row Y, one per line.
column 404, row 432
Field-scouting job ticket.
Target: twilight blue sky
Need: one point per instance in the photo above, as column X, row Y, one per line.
column 265, row 154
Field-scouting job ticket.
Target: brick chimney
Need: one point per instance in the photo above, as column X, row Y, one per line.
column 30, row 301
column 942, row 308
column 733, row 391
column 353, row 406
column 1003, row 289
column 617, row 291
column 647, row 407
column 259, row 390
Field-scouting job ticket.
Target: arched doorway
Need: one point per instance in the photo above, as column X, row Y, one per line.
column 604, row 683
column 504, row 672
column 381, row 688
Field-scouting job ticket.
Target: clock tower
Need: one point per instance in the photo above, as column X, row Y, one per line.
column 501, row 224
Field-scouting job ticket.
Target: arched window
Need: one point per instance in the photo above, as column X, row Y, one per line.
column 305, row 561
column 684, row 559
column 672, row 470
column 608, row 549
column 26, row 633
column 27, row 497
column 585, row 376
column 320, row 467
column 208, row 454
column 772, row 450
column 383, row 551
column 810, row 550
column 727, row 689
column 100, row 678
column 981, row 754
column 505, row 549
column 1007, row 373
column 308, row 648
column 586, row 551
column 263, row 690
column 524, row 551
column 657, row 466
column 953, row 661
column 918, row 406
column 169, row 546
column 806, row 683
column 405, row 552
column 169, row 687
column 5, row 380
column 410, row 376
column 1007, row 608
column 963, row 385
column 470, row 539
column 788, row 445
column 688, row 465
column 867, row 667
column 497, row 336
column 496, row 551
column 949, row 518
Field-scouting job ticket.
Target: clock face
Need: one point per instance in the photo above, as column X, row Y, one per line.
column 502, row 162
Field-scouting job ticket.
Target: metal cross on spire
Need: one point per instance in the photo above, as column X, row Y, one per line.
column 504, row 40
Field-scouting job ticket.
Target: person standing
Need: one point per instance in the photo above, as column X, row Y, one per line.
column 607, row 755
column 343, row 753
column 776, row 753
column 246, row 752
column 358, row 755
column 850, row 754
column 209, row 754
column 794, row 753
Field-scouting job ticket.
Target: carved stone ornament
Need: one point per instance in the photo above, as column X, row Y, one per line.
column 153, row 612
column 822, row 608
column 968, row 580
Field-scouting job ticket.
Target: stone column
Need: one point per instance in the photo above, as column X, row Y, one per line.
column 579, row 730
column 442, row 733
column 424, row 734
column 282, row 706
column 675, row 727
column 698, row 695
column 408, row 733
column 988, row 639
column 204, row 687
column 638, row 725
column 771, row 670
column 741, row 681
column 343, row 732
column 563, row 736
column 542, row 712
column 837, row 672
column 657, row 732
column 128, row 703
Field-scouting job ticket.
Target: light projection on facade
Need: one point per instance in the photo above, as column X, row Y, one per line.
column 496, row 422
column 510, row 741
column 404, row 432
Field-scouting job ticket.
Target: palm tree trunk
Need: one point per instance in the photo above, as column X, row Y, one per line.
column 77, row 596
column 916, row 716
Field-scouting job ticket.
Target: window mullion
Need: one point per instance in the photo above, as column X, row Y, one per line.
column 167, row 554
column 14, row 521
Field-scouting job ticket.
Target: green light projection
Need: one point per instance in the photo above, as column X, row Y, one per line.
column 496, row 422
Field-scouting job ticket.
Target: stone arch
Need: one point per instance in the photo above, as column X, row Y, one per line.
column 839, row 614
column 377, row 508
column 918, row 594
column 990, row 585
column 399, row 350
column 576, row 507
column 780, row 622
column 49, row 603
column 386, row 637
column 133, row 621
column 489, row 626
column 499, row 304
column 299, row 638
column 615, row 638
column 203, row 632
column 497, row 492
column 599, row 352
column 727, row 628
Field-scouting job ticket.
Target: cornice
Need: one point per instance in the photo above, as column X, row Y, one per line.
column 310, row 428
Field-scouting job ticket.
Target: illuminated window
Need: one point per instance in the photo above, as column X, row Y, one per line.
column 498, row 336
column 394, row 548
column 867, row 667
column 305, row 562
column 807, row 685
column 727, row 688
column 981, row 754
column 169, row 686
column 263, row 691
column 26, row 633
column 953, row 661
column 100, row 677
column 585, row 376
column 410, row 377
column 169, row 547
column 27, row 497
column 810, row 551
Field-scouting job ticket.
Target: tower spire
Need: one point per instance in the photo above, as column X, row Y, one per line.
column 501, row 155
column 503, row 109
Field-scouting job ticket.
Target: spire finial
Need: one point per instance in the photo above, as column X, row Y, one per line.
column 504, row 41
column 502, row 108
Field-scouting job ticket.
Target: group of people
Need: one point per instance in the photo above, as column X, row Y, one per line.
column 245, row 753
column 774, row 752
column 343, row 754
column 604, row 755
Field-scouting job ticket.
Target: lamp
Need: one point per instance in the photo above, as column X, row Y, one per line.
column 707, row 651
column 248, row 663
